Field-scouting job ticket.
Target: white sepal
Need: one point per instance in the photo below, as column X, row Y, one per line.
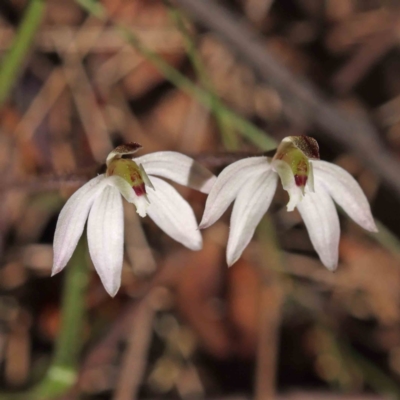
column 230, row 181
column 251, row 204
column 346, row 192
column 106, row 238
column 179, row 168
column 71, row 221
column 320, row 217
column 173, row 214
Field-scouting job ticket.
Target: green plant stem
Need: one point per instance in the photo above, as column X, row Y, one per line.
column 249, row 131
column 13, row 59
column 63, row 370
column 373, row 375
column 62, row 373
column 229, row 137
column 386, row 239
column 244, row 127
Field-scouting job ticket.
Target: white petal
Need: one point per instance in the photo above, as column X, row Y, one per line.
column 173, row 214
column 322, row 222
column 71, row 221
column 346, row 192
column 251, row 204
column 284, row 171
column 229, row 182
column 179, row 168
column 141, row 202
column 106, row 238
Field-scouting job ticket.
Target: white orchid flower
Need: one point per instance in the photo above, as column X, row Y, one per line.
column 137, row 180
column 312, row 185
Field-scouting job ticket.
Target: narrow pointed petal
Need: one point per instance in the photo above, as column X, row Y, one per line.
column 173, row 214
column 229, row 182
column 284, row 171
column 346, row 192
column 71, row 221
column 251, row 204
column 322, row 222
column 106, row 238
column 141, row 202
column 179, row 168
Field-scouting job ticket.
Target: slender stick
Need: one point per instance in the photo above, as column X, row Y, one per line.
column 270, row 309
column 135, row 358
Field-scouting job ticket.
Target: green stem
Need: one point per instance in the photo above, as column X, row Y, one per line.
column 244, row 127
column 249, row 131
column 62, row 373
column 386, row 239
column 229, row 137
column 12, row 61
column 373, row 375
column 63, row 370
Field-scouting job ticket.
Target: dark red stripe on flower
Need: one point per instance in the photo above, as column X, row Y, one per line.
column 140, row 190
column 300, row 180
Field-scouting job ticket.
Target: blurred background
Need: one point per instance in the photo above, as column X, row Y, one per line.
column 219, row 81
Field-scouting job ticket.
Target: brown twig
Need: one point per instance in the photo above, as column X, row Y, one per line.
column 53, row 181
column 135, row 358
column 270, row 312
column 49, row 181
column 85, row 99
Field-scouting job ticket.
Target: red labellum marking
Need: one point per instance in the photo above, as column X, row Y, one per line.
column 300, row 180
column 140, row 190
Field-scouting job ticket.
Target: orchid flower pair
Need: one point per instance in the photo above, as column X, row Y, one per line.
column 251, row 183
